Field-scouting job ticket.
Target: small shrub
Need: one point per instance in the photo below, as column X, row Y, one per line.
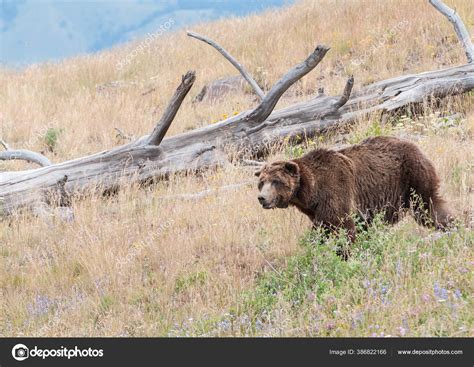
column 184, row 282
column 375, row 128
column 51, row 138
column 106, row 302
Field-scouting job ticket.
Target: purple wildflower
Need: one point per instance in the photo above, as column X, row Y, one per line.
column 440, row 292
column 399, row 268
column 426, row 297
column 402, row 331
column 457, row 293
column 41, row 306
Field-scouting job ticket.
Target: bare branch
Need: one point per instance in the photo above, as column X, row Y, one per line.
column 459, row 27
column 5, row 145
column 24, row 155
column 151, row 90
column 346, row 94
column 121, row 134
column 252, row 163
column 163, row 125
column 265, row 108
column 233, row 61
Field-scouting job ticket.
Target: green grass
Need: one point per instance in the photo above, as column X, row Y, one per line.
column 188, row 281
column 310, row 274
column 398, row 281
column 375, row 128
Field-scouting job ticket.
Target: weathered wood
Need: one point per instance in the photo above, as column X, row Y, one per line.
column 23, row 155
column 215, row 145
column 168, row 116
column 265, row 108
column 232, row 60
column 346, row 94
column 252, row 163
column 459, row 27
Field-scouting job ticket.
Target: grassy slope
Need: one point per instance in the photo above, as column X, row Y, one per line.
column 136, row 265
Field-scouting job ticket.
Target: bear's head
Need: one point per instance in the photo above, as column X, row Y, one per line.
column 278, row 183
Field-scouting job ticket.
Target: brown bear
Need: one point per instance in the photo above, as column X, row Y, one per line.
column 381, row 175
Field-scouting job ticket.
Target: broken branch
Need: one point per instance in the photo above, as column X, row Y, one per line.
column 23, row 155
column 346, row 94
column 232, row 60
column 163, row 125
column 252, row 163
column 265, row 108
column 459, row 27
column 5, row 145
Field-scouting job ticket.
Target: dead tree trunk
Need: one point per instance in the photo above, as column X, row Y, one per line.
column 245, row 135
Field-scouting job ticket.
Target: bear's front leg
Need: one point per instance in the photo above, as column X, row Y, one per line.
column 333, row 227
column 349, row 225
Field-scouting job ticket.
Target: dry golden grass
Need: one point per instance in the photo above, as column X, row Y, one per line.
column 137, row 265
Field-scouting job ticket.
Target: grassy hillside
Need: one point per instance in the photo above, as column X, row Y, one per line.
column 140, row 266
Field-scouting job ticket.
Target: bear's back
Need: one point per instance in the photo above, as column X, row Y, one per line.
column 379, row 170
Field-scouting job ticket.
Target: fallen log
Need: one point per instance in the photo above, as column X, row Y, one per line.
column 246, row 135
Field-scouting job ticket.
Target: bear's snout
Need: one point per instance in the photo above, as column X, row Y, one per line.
column 263, row 202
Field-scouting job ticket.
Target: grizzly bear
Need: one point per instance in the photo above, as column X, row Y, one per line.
column 380, row 175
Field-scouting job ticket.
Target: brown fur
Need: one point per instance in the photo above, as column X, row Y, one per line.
column 382, row 174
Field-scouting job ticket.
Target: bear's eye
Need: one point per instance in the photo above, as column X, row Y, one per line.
column 260, row 185
column 276, row 183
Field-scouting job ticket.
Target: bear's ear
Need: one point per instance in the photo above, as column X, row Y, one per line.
column 257, row 173
column 292, row 168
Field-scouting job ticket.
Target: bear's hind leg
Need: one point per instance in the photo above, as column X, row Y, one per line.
column 430, row 210
column 440, row 214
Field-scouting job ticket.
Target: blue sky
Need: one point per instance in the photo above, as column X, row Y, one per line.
column 34, row 31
